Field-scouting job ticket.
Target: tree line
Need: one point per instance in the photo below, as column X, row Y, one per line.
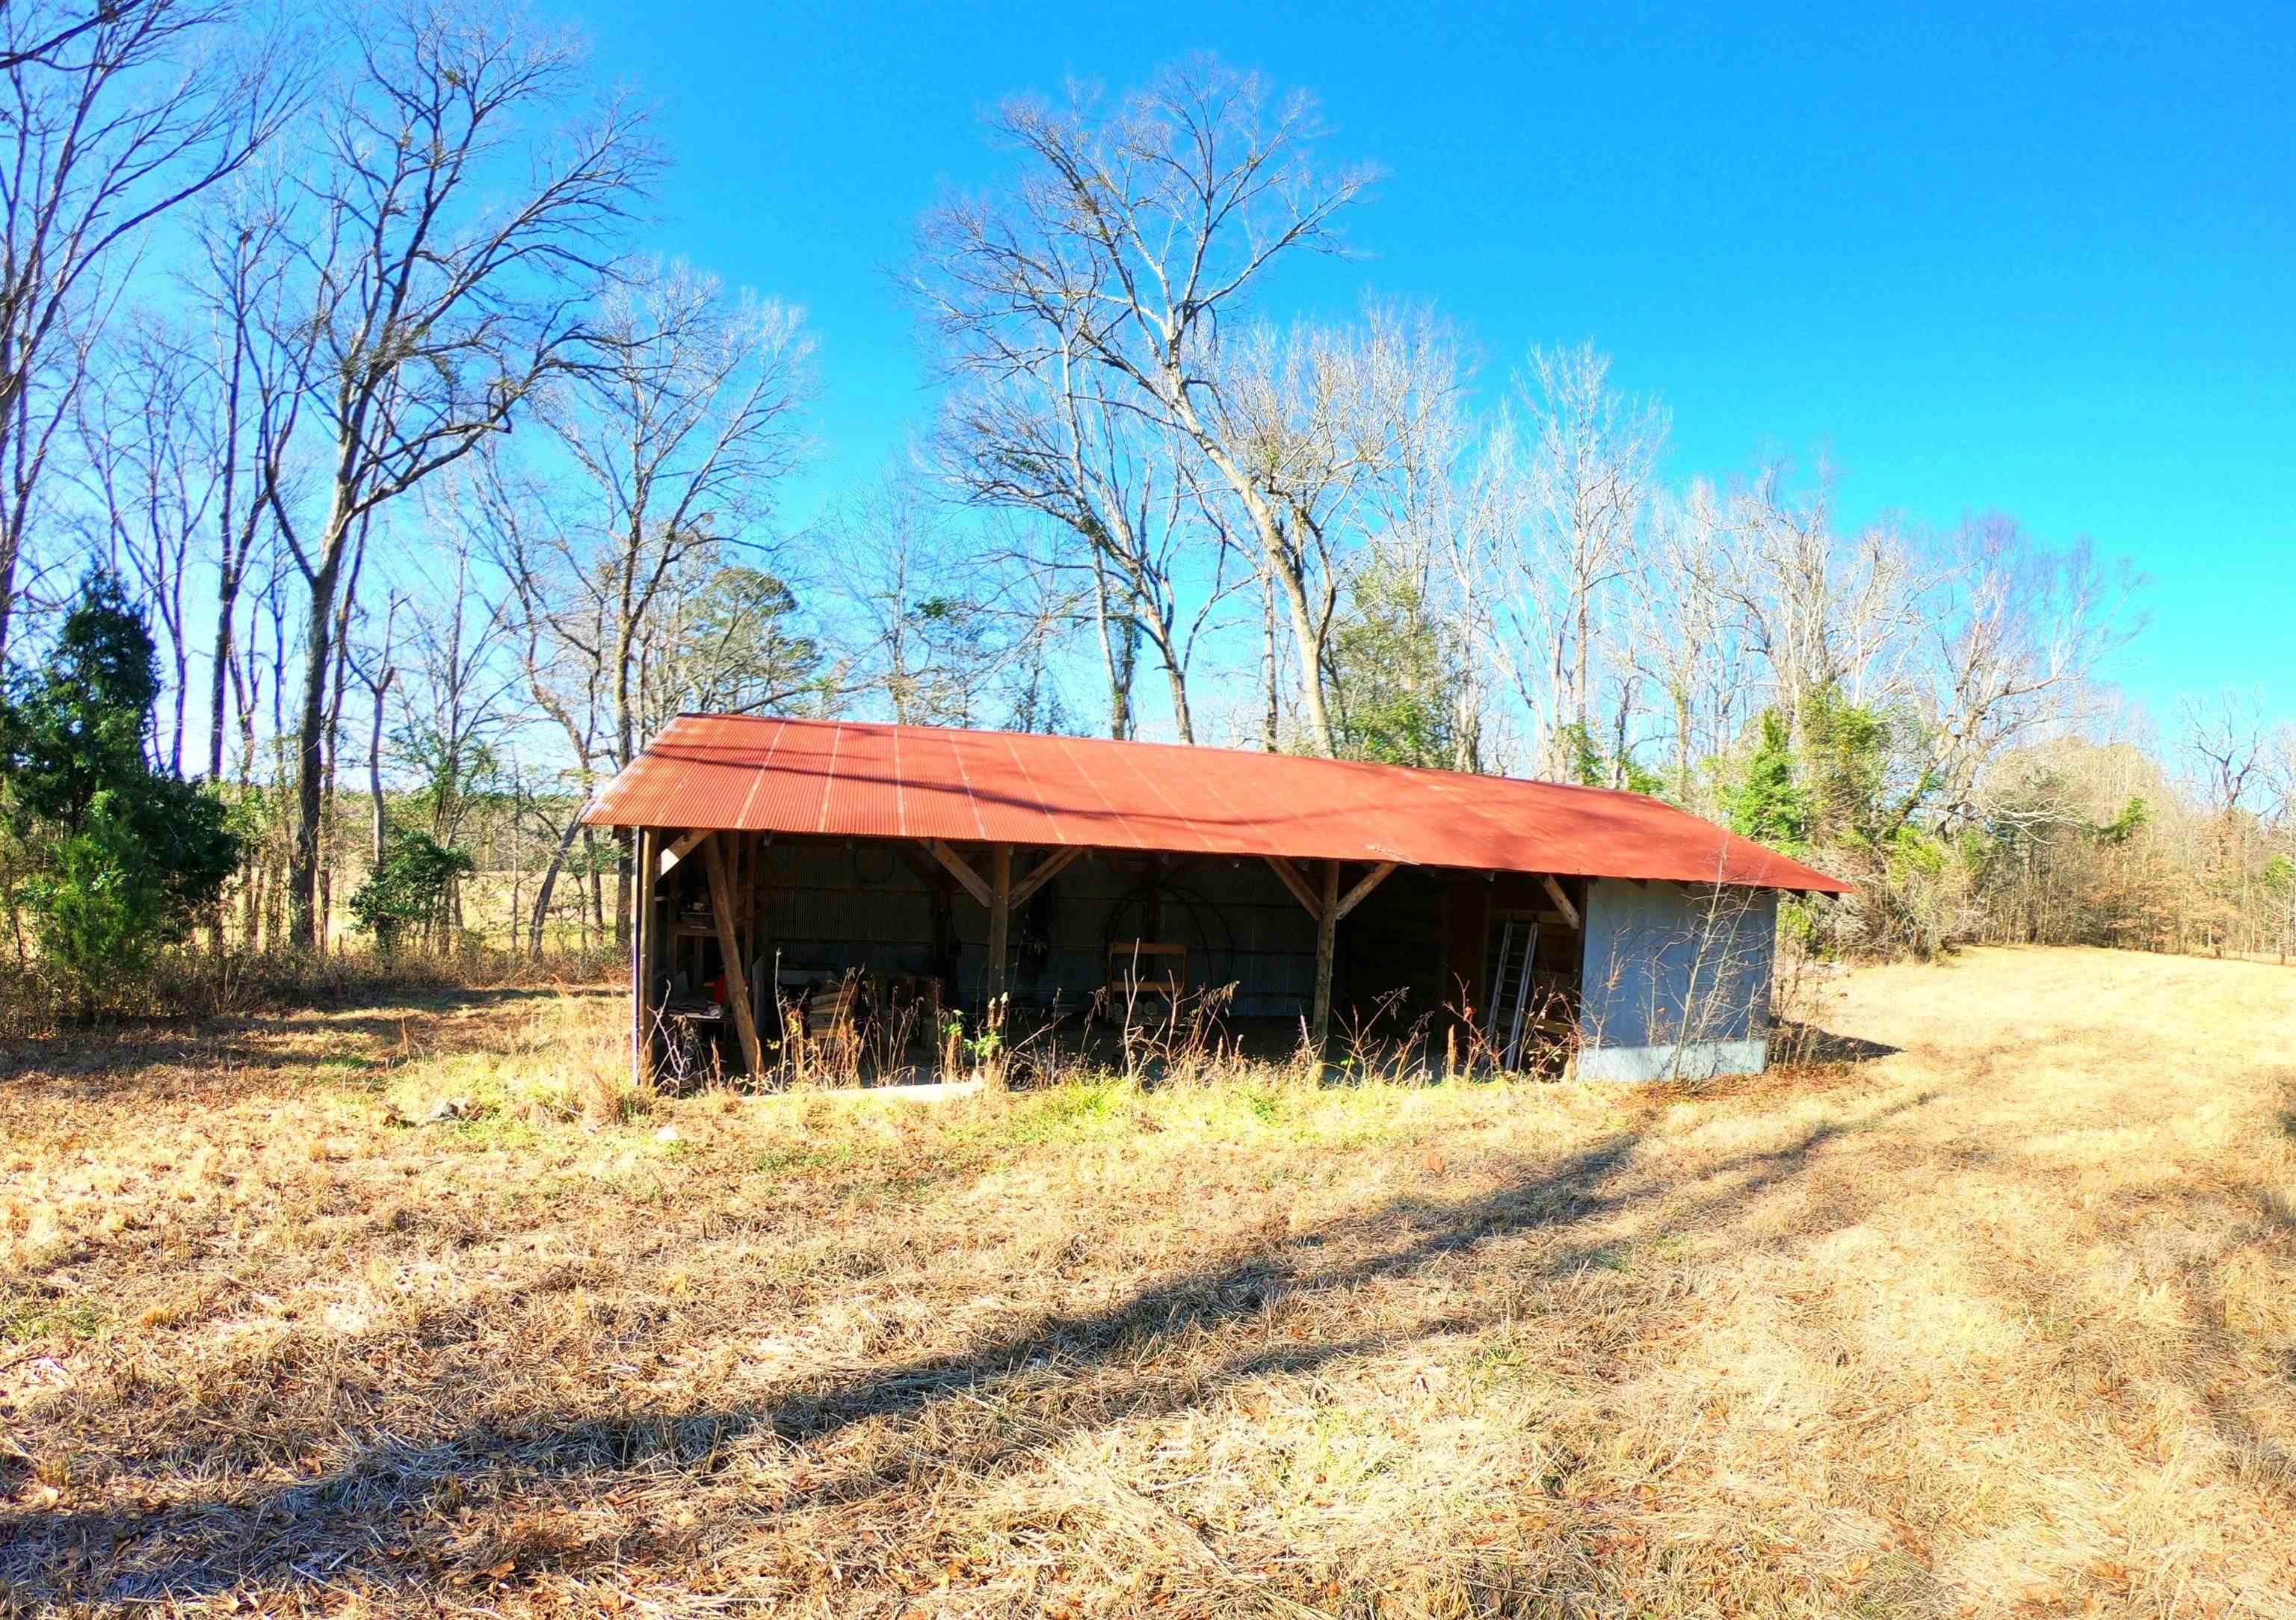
column 340, row 360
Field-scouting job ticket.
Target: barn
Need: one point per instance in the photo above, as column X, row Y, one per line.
column 872, row 891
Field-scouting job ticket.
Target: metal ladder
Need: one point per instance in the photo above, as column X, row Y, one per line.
column 1510, row 988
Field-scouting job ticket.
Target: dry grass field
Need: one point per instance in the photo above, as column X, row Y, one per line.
column 1998, row 1317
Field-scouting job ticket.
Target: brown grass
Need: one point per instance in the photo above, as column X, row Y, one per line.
column 191, row 984
column 2003, row 1322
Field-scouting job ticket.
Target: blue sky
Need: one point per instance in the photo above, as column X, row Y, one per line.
column 2034, row 261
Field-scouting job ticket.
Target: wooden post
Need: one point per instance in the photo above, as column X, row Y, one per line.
column 1000, row 922
column 737, row 982
column 657, row 945
column 642, row 933
column 761, row 936
column 1327, row 931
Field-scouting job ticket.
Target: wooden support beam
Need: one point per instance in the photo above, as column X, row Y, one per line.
column 1562, row 901
column 1372, row 881
column 1327, row 926
column 1297, row 884
column 959, row 869
column 1044, row 871
column 737, row 981
column 685, row 845
column 642, row 932
column 1000, row 919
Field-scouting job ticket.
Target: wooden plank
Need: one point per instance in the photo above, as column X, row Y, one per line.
column 761, row 937
column 1562, row 901
column 1372, row 881
column 959, row 869
column 737, row 982
column 1000, row 918
column 642, row 931
column 658, row 933
column 1327, row 926
column 1297, row 884
column 1051, row 866
column 685, row 845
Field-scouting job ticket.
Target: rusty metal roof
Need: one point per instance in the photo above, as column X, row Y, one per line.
column 854, row 779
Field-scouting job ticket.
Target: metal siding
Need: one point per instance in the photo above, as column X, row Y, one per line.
column 851, row 778
column 828, row 909
column 1674, row 975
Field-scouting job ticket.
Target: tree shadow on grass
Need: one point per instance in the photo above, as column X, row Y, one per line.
column 386, row 1516
column 100, row 1063
column 1797, row 1041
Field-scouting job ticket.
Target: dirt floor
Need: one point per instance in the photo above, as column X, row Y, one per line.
column 409, row 1308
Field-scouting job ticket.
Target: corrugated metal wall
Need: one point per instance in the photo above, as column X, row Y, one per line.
column 833, row 905
column 1677, row 980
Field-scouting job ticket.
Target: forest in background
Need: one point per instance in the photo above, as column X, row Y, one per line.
column 366, row 466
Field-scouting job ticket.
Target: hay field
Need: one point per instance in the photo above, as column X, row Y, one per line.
column 404, row 1309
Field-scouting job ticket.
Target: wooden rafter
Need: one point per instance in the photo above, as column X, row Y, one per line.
column 1051, row 866
column 961, row 870
column 1297, row 884
column 682, row 846
column 1362, row 890
column 1562, row 901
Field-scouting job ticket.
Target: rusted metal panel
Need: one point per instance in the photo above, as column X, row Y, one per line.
column 851, row 778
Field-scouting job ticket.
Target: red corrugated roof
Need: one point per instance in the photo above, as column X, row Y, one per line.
column 853, row 779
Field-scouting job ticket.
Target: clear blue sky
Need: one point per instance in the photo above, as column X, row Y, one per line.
column 2040, row 262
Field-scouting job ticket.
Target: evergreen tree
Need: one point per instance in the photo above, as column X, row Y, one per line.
column 1391, row 671
column 1768, row 804
column 116, row 859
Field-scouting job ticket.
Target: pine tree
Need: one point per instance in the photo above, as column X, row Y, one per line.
column 117, row 858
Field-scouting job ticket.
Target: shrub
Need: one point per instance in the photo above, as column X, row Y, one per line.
column 122, row 857
column 410, row 887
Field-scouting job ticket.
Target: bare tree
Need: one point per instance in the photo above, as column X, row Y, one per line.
column 1680, row 636
column 1048, row 443
column 1346, row 429
column 233, row 284
column 514, row 508
column 112, row 116
column 923, row 608
column 1134, row 232
column 2017, row 635
column 2229, row 745
column 453, row 212
column 45, row 32
column 456, row 687
column 1569, row 472
column 678, row 436
column 377, row 672
column 142, row 431
column 1820, row 612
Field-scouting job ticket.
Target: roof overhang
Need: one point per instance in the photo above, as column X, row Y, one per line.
column 857, row 779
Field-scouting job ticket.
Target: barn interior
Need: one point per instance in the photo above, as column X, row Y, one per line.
column 866, row 954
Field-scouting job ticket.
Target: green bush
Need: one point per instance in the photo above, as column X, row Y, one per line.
column 411, row 888
column 114, row 860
